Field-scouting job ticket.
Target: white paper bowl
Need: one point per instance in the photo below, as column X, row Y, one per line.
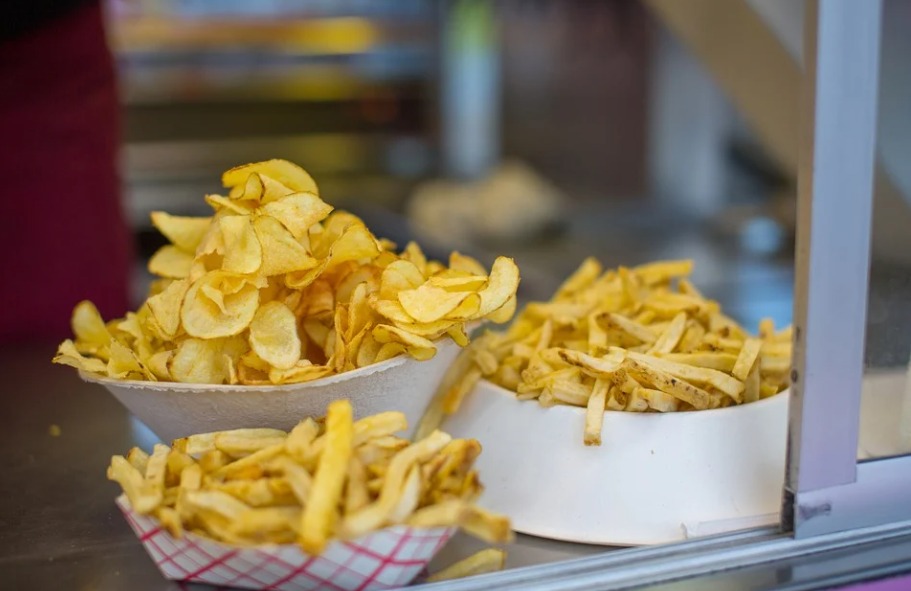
column 655, row 478
column 386, row 559
column 173, row 410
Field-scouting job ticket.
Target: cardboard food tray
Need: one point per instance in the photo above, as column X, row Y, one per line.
column 385, row 559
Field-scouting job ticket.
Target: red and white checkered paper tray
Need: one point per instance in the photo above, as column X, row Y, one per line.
column 385, row 559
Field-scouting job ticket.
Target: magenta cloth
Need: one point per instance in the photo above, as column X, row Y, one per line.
column 902, row 583
column 63, row 237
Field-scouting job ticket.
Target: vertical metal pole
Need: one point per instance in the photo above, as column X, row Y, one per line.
column 842, row 39
column 470, row 89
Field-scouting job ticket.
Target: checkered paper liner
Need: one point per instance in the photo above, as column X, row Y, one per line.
column 385, row 559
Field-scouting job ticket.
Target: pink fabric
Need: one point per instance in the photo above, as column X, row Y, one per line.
column 893, row 584
column 62, row 232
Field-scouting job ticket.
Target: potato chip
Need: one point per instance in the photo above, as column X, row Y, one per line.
column 286, row 173
column 165, row 307
column 298, row 212
column 170, row 261
column 273, row 335
column 501, row 285
column 243, row 252
column 418, row 347
column 198, row 361
column 282, row 253
column 67, row 354
column 428, row 303
column 205, row 316
column 461, row 262
column 186, row 233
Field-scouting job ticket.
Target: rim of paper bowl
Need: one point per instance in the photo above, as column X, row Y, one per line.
column 193, row 387
column 679, row 415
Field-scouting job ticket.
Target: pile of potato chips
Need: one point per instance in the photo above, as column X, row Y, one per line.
column 328, row 479
column 640, row 340
column 277, row 288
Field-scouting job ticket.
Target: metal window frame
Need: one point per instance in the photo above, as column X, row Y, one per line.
column 826, row 489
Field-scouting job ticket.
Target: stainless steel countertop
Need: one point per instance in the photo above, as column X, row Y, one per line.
column 59, row 527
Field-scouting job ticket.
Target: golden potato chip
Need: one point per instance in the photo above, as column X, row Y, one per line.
column 242, row 251
column 198, row 361
column 501, row 285
column 428, row 303
column 298, row 212
column 165, row 307
column 505, row 312
column 282, row 253
column 273, row 335
column 418, row 347
column 67, row 354
column 185, row 233
column 286, row 173
column 303, row 371
column 204, row 316
column 88, row 325
column 224, row 205
column 355, row 243
column 461, row 262
column 468, row 309
column 124, row 364
column 399, row 276
column 170, row 261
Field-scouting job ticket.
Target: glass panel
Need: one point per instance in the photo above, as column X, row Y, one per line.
column 886, row 407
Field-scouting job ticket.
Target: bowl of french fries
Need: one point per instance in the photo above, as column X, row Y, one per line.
column 629, row 408
column 333, row 503
column 277, row 304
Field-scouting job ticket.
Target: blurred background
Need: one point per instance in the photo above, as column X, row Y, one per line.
column 630, row 130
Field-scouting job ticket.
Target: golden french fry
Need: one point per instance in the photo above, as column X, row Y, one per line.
column 747, row 358
column 320, row 512
column 594, row 413
column 677, row 387
column 376, row 514
column 486, row 561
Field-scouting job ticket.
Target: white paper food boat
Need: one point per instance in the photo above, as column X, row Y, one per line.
column 385, row 559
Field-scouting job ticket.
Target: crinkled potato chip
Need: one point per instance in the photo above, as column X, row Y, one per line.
column 428, row 303
column 243, row 253
column 88, row 325
column 275, row 287
column 165, row 307
column 198, row 361
column 286, row 173
column 282, row 253
column 298, row 212
column 170, row 261
column 202, row 317
column 185, row 233
column 273, row 335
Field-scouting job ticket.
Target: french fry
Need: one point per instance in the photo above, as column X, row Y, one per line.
column 486, row 561
column 746, row 359
column 319, row 514
column 376, row 514
column 677, row 387
column 594, row 413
